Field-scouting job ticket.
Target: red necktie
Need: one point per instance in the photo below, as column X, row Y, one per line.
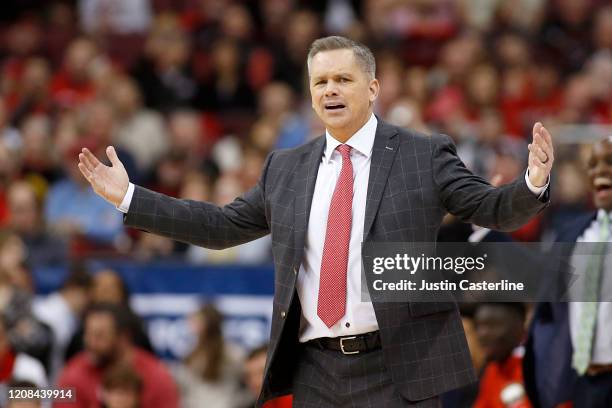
column 331, row 304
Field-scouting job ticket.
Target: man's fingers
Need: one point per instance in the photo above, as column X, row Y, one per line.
column 542, row 136
column 547, row 137
column 112, row 156
column 85, row 172
column 539, row 153
column 84, row 160
column 91, row 157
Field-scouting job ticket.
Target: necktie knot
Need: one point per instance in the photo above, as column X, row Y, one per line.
column 345, row 151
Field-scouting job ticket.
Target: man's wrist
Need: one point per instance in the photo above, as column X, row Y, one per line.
column 538, row 191
column 127, row 199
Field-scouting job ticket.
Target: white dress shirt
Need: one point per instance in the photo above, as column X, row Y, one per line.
column 359, row 317
column 602, row 344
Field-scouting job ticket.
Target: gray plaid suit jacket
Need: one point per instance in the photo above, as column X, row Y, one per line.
column 414, row 180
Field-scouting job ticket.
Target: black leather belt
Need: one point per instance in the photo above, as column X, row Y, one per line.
column 360, row 343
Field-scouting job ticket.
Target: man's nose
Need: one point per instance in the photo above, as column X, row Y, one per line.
column 331, row 88
column 600, row 167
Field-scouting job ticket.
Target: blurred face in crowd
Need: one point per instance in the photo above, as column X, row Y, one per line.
column 254, row 372
column 107, row 288
column 599, row 168
column 121, row 397
column 78, row 57
column 101, row 338
column 23, row 209
column 126, row 96
column 342, row 92
column 499, row 329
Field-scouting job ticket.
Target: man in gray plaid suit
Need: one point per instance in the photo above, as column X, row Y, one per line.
column 364, row 180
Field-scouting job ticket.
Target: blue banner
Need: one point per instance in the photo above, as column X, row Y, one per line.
column 166, row 293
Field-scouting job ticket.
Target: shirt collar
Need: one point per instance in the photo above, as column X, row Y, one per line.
column 362, row 141
column 601, row 214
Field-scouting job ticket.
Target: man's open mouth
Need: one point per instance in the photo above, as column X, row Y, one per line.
column 334, row 106
column 602, row 184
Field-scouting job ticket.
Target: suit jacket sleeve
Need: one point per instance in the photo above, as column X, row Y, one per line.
column 201, row 223
column 473, row 199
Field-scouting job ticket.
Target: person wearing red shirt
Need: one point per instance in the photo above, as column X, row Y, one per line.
column 500, row 328
column 107, row 345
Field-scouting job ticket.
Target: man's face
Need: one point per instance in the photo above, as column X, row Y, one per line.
column 599, row 169
column 499, row 331
column 342, row 93
column 101, row 338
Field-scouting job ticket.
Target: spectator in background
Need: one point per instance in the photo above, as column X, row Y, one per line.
column 108, row 287
column 278, row 108
column 8, row 168
column 572, row 196
column 26, row 332
column 566, row 33
column 121, row 388
column 72, row 85
column 74, row 212
column 599, row 70
column 9, row 134
column 13, row 266
column 15, row 365
column 169, row 172
column 25, row 219
column 226, row 91
column 32, row 93
column 99, row 127
column 253, row 374
column 500, row 328
column 138, row 130
column 602, row 29
column 302, row 28
column 62, row 311
column 108, row 344
column 186, row 135
column 38, row 157
column 163, row 73
column 210, row 375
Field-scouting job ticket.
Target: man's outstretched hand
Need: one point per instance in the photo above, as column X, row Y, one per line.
column 541, row 156
column 110, row 183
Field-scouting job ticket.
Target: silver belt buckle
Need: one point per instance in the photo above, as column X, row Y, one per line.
column 342, row 345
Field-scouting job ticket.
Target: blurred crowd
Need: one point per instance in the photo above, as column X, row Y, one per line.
column 195, row 93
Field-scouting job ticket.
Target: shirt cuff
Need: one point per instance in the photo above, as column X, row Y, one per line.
column 479, row 234
column 127, row 200
column 539, row 191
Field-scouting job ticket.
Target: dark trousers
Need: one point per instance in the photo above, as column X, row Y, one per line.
column 594, row 391
column 327, row 378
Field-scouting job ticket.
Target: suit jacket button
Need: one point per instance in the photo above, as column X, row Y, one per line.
column 283, row 314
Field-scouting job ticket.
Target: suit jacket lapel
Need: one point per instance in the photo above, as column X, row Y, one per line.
column 306, row 172
column 385, row 147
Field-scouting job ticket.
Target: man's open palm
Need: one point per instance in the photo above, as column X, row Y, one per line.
column 111, row 183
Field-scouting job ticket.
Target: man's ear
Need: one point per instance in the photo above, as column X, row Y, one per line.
column 374, row 89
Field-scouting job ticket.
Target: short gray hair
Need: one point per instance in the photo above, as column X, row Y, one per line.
column 364, row 56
